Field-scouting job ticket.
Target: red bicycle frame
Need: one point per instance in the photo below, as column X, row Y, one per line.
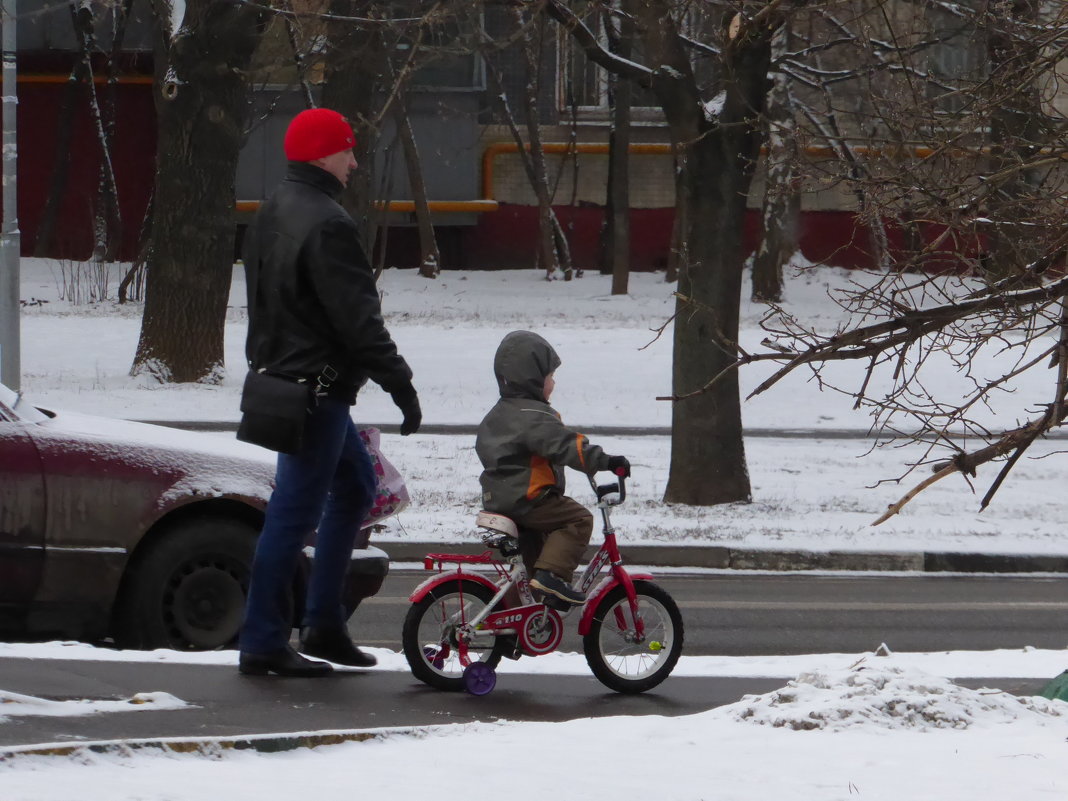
column 507, row 620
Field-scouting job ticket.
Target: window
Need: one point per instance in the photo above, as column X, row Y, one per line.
column 583, row 84
column 957, row 59
column 445, row 57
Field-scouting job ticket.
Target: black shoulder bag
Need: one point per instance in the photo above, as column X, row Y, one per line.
column 273, row 411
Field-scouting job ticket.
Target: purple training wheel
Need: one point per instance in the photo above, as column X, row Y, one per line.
column 479, row 678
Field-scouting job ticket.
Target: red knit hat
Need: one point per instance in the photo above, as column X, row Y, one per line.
column 317, row 133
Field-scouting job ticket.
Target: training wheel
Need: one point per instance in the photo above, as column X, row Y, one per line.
column 479, row 678
column 435, row 656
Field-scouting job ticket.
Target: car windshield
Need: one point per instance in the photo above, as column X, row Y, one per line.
column 20, row 406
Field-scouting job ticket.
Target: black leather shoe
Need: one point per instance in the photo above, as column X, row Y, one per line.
column 335, row 646
column 286, row 662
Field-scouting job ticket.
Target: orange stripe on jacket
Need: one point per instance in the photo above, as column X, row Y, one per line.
column 578, row 445
column 541, row 476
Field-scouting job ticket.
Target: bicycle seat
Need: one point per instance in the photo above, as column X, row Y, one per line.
column 498, row 523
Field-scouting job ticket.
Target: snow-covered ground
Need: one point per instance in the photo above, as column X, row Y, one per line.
column 842, row 727
column 811, row 494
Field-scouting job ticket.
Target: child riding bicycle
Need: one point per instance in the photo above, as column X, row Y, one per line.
column 524, row 446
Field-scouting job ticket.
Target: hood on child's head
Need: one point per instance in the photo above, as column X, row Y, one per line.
column 523, row 361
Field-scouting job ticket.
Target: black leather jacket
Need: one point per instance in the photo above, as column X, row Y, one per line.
column 312, row 298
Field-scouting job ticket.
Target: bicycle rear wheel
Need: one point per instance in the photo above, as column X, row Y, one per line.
column 430, row 634
column 617, row 656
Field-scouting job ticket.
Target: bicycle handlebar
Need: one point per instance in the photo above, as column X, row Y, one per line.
column 604, row 490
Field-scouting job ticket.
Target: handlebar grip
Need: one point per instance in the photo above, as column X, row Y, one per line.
column 608, row 489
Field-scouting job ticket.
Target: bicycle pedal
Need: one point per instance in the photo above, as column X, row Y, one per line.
column 514, row 651
column 551, row 601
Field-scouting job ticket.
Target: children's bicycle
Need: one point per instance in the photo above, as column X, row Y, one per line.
column 462, row 621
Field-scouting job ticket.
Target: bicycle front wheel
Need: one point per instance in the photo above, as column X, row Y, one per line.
column 431, row 634
column 618, row 657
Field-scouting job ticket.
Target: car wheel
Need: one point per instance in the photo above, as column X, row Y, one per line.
column 187, row 591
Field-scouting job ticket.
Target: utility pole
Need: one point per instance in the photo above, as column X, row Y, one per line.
column 10, row 238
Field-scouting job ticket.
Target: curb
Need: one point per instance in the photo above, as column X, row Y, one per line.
column 725, row 558
column 206, row 746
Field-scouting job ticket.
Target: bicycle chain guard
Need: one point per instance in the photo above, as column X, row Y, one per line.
column 541, row 634
column 538, row 628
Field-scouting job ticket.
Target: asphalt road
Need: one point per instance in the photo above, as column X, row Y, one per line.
column 746, row 614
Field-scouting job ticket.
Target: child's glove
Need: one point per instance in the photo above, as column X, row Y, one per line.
column 408, row 402
column 619, row 465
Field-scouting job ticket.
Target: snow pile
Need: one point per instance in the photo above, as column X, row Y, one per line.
column 16, row 705
column 889, row 697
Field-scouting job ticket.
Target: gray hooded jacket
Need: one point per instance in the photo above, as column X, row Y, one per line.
column 522, row 443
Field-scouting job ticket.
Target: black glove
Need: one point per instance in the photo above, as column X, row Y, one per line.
column 619, row 465
column 408, row 402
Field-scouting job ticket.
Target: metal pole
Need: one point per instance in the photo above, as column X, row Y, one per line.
column 10, row 238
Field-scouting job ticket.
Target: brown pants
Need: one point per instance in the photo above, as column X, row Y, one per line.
column 554, row 535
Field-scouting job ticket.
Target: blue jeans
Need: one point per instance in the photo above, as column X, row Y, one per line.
column 327, row 487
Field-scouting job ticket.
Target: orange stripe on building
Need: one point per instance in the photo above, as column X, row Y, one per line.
column 541, row 476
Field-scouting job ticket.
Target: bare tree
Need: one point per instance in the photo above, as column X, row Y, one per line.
column 711, row 82
column 782, row 200
column 517, row 49
column 954, row 164
column 354, row 62
column 202, row 105
column 430, row 258
column 107, row 223
column 615, row 236
column 373, row 53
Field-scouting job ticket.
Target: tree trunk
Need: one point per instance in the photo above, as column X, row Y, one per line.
column 202, row 108
column 782, row 201
column 107, row 221
column 616, row 235
column 430, row 261
column 57, row 184
column 1015, row 132
column 109, row 114
column 679, row 226
column 355, row 59
column 539, row 174
column 707, row 450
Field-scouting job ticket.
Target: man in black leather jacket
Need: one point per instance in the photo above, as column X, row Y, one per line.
column 315, row 317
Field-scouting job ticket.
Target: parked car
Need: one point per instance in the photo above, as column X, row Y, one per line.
column 136, row 533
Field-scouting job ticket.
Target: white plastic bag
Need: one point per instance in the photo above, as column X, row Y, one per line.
column 391, row 494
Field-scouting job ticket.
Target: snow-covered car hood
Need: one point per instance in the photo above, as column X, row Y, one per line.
column 202, row 464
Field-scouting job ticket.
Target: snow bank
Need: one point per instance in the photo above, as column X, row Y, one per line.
column 875, row 697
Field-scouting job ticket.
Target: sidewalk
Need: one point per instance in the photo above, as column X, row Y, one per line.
column 227, row 710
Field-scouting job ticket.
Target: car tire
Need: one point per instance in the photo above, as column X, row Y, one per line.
column 187, row 590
